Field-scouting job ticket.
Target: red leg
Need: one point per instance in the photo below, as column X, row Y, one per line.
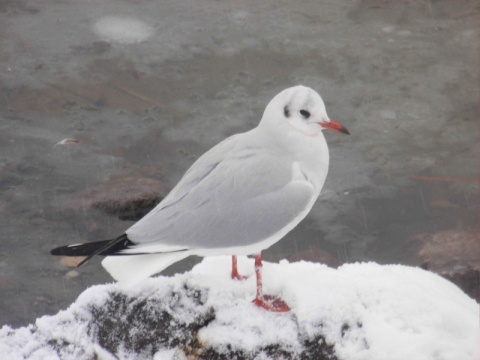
column 267, row 302
column 235, row 274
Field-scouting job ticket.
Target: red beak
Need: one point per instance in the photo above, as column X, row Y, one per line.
column 332, row 125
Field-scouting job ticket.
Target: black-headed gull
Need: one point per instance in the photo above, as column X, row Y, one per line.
column 238, row 198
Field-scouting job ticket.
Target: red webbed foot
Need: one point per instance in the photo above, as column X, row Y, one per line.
column 267, row 302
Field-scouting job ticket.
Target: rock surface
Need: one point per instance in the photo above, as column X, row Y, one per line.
column 128, row 197
column 453, row 254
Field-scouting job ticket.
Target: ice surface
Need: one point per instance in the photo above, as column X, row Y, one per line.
column 367, row 311
column 152, row 108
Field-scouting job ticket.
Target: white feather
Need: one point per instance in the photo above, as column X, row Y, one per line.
column 129, row 269
column 150, row 248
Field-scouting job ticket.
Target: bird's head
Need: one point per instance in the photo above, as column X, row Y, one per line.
column 303, row 109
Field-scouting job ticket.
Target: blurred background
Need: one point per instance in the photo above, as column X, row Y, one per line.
column 105, row 104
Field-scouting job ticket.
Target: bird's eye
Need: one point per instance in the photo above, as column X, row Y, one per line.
column 305, row 114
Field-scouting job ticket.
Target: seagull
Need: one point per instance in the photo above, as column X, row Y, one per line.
column 239, row 198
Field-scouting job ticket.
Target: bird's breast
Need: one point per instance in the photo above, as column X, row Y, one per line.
column 313, row 160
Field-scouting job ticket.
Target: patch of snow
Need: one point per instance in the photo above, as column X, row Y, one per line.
column 364, row 310
column 124, row 30
column 388, row 29
column 166, row 354
column 387, row 114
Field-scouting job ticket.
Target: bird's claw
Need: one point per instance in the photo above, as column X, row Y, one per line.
column 238, row 277
column 271, row 303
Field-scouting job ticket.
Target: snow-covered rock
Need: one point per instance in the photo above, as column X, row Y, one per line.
column 358, row 311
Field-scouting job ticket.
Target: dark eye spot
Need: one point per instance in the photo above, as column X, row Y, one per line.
column 305, row 114
column 286, row 111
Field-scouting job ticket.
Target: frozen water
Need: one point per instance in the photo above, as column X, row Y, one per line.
column 206, row 72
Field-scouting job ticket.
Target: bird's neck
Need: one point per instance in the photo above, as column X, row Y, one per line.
column 310, row 151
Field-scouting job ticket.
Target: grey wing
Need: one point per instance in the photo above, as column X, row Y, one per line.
column 244, row 197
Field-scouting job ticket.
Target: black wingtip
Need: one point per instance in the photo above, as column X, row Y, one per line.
column 89, row 250
column 59, row 251
column 83, row 262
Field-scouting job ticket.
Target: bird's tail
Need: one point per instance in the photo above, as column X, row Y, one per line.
column 123, row 267
column 103, row 248
column 133, row 268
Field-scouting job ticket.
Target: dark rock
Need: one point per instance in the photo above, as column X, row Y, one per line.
column 128, row 197
column 453, row 254
column 160, row 327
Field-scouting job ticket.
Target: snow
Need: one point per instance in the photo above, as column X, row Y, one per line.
column 126, row 30
column 366, row 310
